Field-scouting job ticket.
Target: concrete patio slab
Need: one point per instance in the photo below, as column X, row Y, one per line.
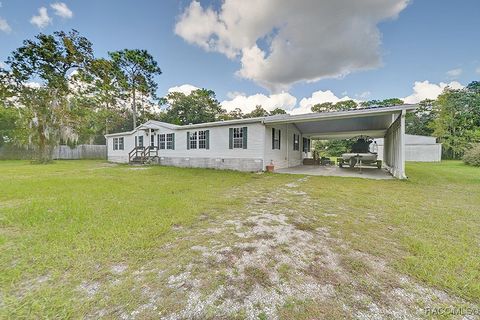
column 335, row 171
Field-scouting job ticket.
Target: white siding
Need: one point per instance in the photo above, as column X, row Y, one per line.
column 417, row 148
column 120, row 155
column 285, row 156
column 218, row 138
column 219, row 143
column 421, row 153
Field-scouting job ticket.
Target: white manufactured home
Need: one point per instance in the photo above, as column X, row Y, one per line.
column 252, row 144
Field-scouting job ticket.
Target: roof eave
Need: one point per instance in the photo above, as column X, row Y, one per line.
column 339, row 114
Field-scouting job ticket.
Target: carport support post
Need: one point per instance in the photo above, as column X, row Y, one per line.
column 401, row 147
column 394, row 148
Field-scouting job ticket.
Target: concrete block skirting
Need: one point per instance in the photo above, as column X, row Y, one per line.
column 249, row 165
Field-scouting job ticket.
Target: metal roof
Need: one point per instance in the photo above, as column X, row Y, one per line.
column 285, row 118
column 375, row 118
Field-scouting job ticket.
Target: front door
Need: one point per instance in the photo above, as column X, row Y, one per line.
column 152, row 140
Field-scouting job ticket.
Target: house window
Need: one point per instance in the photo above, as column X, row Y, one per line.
column 139, row 141
column 193, row 140
column 306, row 145
column 296, row 142
column 276, row 134
column 118, row 143
column 170, row 141
column 237, row 138
column 198, row 139
column 161, row 141
column 202, row 140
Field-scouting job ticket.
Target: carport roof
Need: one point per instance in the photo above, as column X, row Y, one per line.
column 343, row 124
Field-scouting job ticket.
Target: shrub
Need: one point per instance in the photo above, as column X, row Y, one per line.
column 472, row 156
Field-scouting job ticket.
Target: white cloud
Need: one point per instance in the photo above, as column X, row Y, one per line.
column 282, row 100
column 364, row 95
column 233, row 94
column 425, row 90
column 185, row 89
column 42, row 19
column 4, row 26
column 454, row 73
column 280, row 42
column 318, row 97
column 61, row 10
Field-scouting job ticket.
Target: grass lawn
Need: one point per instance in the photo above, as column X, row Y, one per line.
column 92, row 239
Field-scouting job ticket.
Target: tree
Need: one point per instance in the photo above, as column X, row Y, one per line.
column 420, row 121
column 277, row 111
column 332, row 107
column 259, row 111
column 9, row 124
column 323, row 107
column 457, row 122
column 197, row 107
column 136, row 70
column 49, row 59
column 236, row 113
column 390, row 102
column 332, row 148
column 100, row 101
column 346, row 105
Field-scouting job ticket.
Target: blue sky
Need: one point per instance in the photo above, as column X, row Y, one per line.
column 426, row 40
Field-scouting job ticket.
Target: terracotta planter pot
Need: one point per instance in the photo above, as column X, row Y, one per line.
column 270, row 167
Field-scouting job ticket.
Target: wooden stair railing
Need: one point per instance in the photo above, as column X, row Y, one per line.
column 133, row 155
column 142, row 154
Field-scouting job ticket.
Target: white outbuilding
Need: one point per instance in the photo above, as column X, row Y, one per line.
column 417, row 148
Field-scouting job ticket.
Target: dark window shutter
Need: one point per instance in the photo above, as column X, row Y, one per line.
column 230, row 138
column 294, row 136
column 279, row 139
column 207, row 139
column 158, row 141
column 173, row 141
column 188, row 140
column 245, row 137
column 304, row 142
column 273, row 138
column 136, row 141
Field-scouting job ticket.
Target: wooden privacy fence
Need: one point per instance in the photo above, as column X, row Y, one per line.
column 82, row 151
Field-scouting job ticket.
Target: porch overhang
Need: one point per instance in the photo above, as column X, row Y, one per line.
column 376, row 122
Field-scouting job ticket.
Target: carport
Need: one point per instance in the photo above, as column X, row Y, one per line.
column 376, row 122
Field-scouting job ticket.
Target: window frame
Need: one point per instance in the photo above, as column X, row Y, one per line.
column 162, row 141
column 118, row 143
column 296, row 142
column 169, row 141
column 202, row 139
column 276, row 139
column 237, row 141
column 152, row 140
column 138, row 140
column 192, row 140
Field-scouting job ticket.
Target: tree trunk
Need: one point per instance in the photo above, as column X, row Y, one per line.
column 134, row 109
column 43, row 156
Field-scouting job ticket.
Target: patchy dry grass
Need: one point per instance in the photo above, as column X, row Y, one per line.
column 86, row 239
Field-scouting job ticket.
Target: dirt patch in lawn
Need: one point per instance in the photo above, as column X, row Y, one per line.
column 269, row 261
